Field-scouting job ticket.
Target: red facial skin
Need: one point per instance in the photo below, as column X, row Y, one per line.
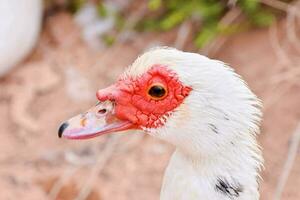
column 134, row 104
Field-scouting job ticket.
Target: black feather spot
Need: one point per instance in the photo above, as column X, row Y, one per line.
column 226, row 117
column 229, row 189
column 213, row 128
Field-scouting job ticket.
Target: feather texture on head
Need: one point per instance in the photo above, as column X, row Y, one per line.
column 199, row 105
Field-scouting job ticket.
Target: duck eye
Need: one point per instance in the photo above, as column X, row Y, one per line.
column 157, row 91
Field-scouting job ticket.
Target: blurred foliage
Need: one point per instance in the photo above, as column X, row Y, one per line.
column 108, row 39
column 208, row 13
column 75, row 5
column 206, row 16
column 102, row 11
column 57, row 5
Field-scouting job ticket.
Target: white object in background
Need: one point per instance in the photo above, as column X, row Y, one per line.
column 93, row 26
column 20, row 22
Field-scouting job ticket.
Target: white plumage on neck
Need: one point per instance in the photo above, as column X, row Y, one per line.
column 214, row 130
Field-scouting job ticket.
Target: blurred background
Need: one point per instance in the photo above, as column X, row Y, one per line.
column 55, row 54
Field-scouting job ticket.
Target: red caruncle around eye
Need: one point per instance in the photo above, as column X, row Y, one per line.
column 145, row 100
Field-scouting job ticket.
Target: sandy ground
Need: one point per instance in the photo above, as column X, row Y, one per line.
column 60, row 79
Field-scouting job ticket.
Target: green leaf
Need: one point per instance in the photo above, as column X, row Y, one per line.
column 176, row 16
column 120, row 22
column 172, row 20
column 109, row 40
column 154, row 4
column 209, row 11
column 263, row 18
column 206, row 35
column 147, row 25
column 175, row 4
column 229, row 29
column 249, row 6
column 102, row 12
column 75, row 5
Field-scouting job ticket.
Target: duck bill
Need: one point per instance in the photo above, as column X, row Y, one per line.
column 97, row 121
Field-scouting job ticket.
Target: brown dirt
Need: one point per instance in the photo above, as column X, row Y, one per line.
column 59, row 80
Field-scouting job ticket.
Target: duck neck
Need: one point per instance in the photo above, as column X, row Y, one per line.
column 229, row 174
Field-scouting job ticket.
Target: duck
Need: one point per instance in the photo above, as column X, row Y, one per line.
column 19, row 31
column 199, row 105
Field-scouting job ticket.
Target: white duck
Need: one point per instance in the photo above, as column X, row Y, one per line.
column 20, row 22
column 199, row 105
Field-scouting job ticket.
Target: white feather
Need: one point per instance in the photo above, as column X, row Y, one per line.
column 214, row 129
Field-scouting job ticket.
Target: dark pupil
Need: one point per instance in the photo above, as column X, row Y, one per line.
column 157, row 91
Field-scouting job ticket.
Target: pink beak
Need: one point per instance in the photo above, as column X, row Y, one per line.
column 97, row 121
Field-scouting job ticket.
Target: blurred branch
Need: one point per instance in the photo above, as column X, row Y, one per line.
column 288, row 163
column 280, row 5
column 102, row 160
column 182, row 35
column 292, row 15
column 287, row 75
column 56, row 188
column 291, row 72
column 217, row 44
column 280, row 53
column 280, row 89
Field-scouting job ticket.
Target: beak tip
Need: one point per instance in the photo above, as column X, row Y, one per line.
column 62, row 128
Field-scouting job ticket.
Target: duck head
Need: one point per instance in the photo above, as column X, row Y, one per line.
column 193, row 102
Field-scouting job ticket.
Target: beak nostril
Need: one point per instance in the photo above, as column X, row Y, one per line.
column 62, row 128
column 102, row 111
